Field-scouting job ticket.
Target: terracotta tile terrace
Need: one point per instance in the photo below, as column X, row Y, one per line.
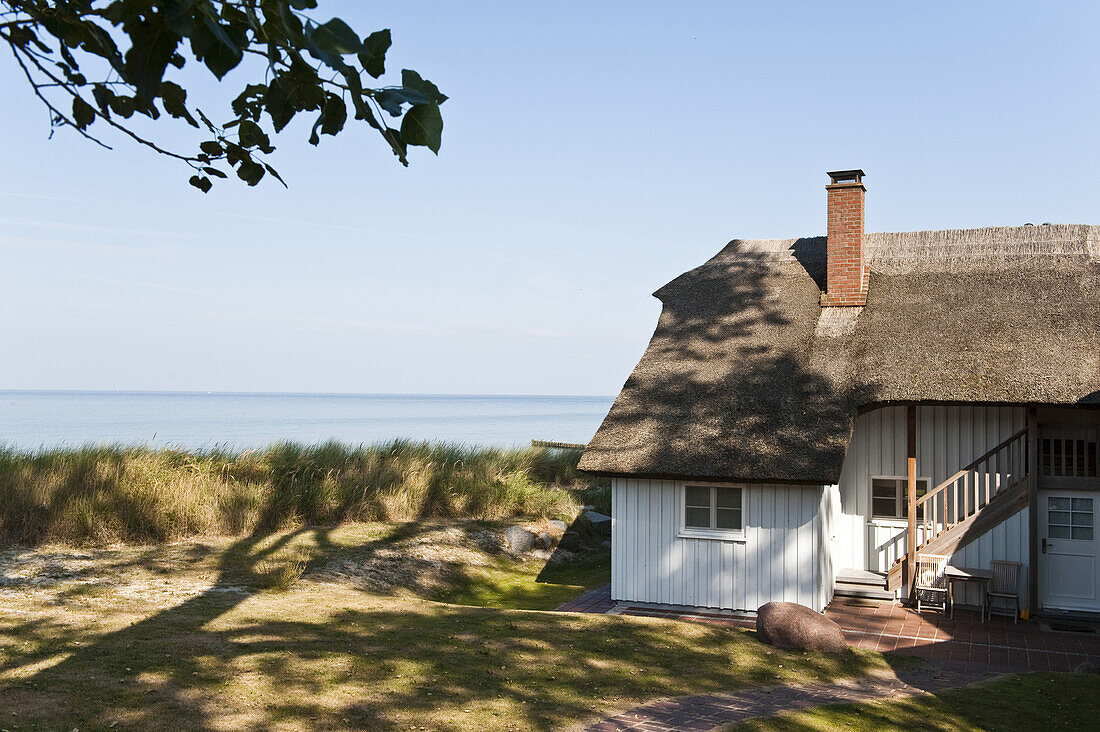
column 997, row 645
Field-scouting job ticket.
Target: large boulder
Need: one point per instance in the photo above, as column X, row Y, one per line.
column 518, row 539
column 570, row 541
column 600, row 522
column 794, row 626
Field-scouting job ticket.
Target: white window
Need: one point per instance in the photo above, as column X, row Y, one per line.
column 1069, row 518
column 711, row 511
column 888, row 496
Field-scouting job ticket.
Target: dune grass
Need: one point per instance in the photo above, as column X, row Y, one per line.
column 1035, row 701
column 193, row 636
column 138, row 494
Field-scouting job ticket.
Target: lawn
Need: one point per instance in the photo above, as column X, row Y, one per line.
column 201, row 635
column 1036, row 701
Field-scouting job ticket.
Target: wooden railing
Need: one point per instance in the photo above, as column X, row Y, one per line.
column 966, row 492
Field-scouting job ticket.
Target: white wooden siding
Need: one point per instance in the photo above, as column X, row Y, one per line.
column 1007, row 540
column 780, row 557
column 948, row 438
column 827, row 569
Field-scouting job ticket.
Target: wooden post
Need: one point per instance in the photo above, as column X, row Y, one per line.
column 911, row 493
column 1033, row 510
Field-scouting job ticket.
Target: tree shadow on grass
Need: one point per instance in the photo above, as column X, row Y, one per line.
column 315, row 658
column 383, row 668
column 96, row 681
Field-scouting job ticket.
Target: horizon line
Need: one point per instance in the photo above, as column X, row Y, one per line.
column 213, row 392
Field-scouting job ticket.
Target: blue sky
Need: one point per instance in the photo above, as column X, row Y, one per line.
column 592, row 152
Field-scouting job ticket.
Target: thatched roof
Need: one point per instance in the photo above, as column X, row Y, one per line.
column 747, row 377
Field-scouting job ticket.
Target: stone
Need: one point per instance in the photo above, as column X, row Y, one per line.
column 793, row 626
column 559, row 525
column 518, row 539
column 543, row 540
column 570, row 541
column 600, row 522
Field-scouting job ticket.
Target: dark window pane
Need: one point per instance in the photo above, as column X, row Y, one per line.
column 1058, row 517
column 697, row 495
column 1082, row 532
column 1059, row 532
column 729, row 497
column 1082, row 518
column 881, row 488
column 884, row 507
column 697, row 517
column 1082, row 504
column 729, row 518
column 1058, row 504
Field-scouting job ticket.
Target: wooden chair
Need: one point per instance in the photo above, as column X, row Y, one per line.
column 931, row 582
column 1004, row 586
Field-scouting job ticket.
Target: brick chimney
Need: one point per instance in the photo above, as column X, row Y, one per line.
column 846, row 275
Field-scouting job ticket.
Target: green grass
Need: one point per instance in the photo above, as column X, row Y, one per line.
column 135, row 494
column 332, row 654
column 1036, row 701
column 528, row 585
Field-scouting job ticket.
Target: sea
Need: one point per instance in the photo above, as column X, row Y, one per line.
column 32, row 420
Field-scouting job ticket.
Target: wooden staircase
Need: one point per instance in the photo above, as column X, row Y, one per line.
column 969, row 503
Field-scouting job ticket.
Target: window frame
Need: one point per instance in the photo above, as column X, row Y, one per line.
column 698, row 532
column 901, row 486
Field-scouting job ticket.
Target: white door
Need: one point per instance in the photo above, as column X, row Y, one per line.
column 1068, row 539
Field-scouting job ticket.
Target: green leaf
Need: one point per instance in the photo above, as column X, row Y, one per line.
column 219, row 47
column 249, row 103
column 333, row 115
column 423, row 125
column 373, row 53
column 250, row 171
column 203, row 184
column 83, row 113
column 335, row 36
column 411, row 80
column 278, row 105
column 214, row 172
column 392, row 99
column 103, row 97
column 174, row 98
column 211, row 147
column 251, row 135
column 275, row 175
column 145, row 61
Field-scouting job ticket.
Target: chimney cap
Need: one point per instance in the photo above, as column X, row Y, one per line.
column 846, row 176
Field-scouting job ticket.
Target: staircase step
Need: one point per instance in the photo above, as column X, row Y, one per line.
column 861, row 577
column 866, row 592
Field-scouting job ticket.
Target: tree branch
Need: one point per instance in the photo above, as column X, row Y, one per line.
column 57, row 114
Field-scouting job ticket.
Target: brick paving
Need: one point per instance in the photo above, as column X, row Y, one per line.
column 711, row 710
column 597, row 601
column 997, row 645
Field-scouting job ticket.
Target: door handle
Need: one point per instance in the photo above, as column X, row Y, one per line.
column 1045, row 545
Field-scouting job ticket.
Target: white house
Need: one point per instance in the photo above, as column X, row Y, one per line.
column 821, row 408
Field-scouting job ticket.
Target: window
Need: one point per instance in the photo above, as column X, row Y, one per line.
column 712, row 508
column 888, row 499
column 1069, row 518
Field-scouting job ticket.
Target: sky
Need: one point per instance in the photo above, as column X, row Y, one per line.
column 591, row 153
